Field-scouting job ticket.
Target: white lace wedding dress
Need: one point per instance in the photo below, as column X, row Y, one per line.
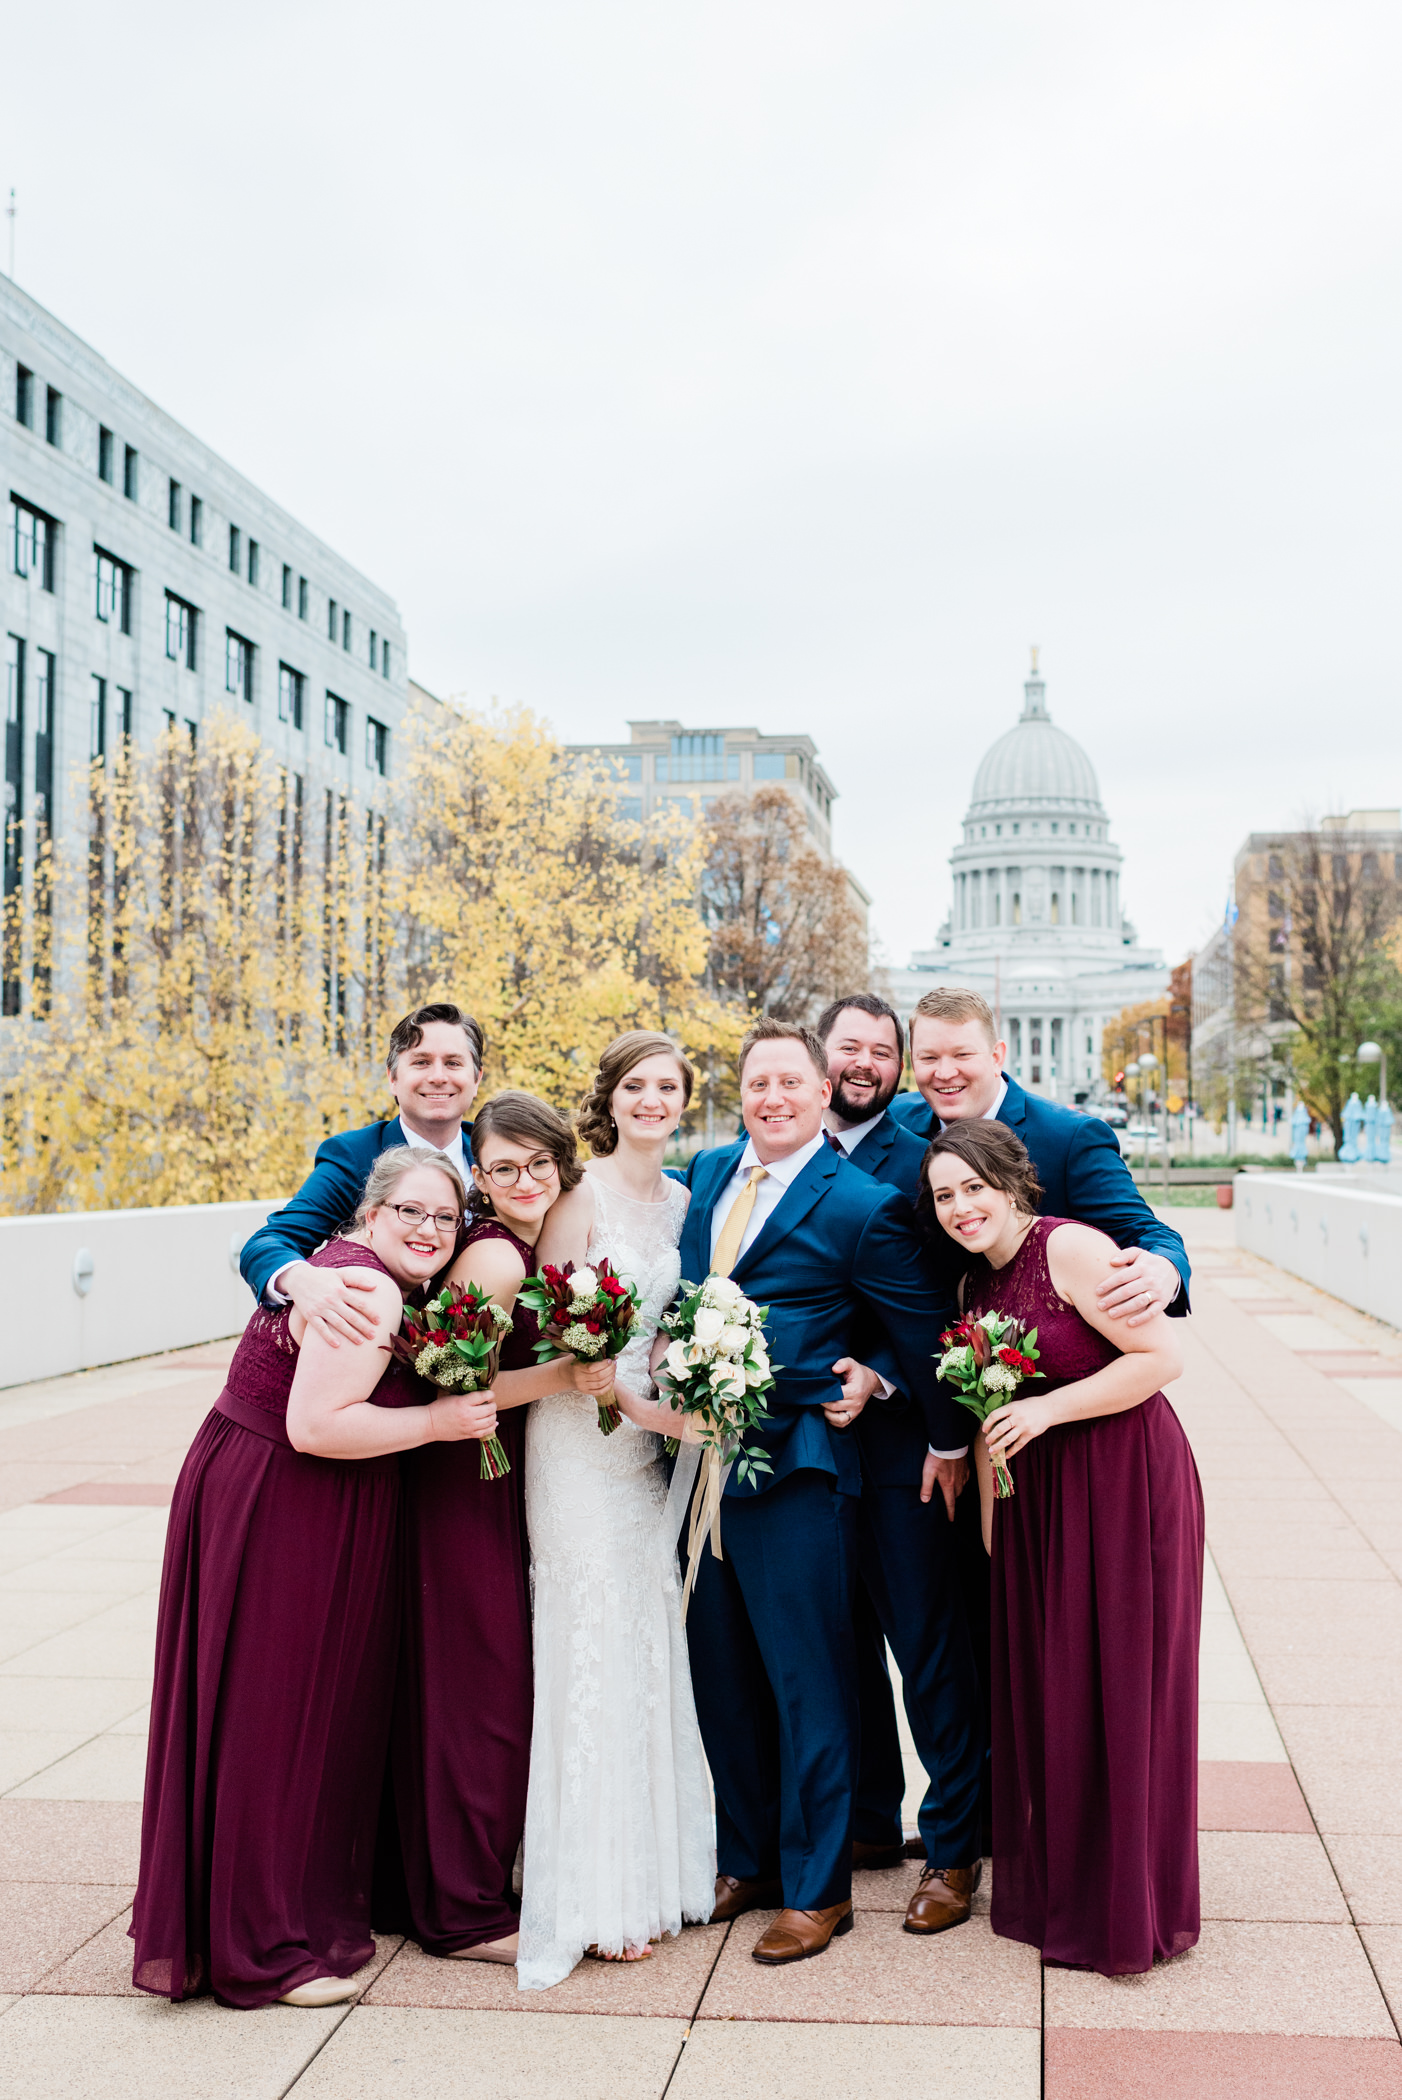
column 620, row 1844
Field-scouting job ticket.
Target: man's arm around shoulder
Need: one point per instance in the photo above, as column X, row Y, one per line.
column 1101, row 1191
column 325, row 1200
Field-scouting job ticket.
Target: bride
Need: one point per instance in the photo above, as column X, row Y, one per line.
column 619, row 1845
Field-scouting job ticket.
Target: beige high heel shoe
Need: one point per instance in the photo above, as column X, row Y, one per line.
column 322, row 1990
column 503, row 1951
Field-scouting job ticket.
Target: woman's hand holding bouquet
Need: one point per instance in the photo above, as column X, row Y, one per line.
column 455, row 1343
column 986, row 1360
column 585, row 1313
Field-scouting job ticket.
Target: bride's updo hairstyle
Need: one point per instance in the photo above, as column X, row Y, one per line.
column 524, row 1119
column 995, row 1153
column 596, row 1124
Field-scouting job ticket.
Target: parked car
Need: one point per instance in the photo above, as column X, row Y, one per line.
column 1135, row 1136
column 1112, row 1114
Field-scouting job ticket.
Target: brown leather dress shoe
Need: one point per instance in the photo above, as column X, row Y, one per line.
column 944, row 1896
column 867, row 1855
column 734, row 1898
column 796, row 1935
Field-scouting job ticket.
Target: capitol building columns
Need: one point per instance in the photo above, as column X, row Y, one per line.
column 1036, row 922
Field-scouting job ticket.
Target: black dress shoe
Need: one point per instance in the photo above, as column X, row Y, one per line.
column 734, row 1897
column 868, row 1855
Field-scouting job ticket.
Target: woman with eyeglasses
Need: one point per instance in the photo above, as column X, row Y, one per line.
column 277, row 1630
column 462, row 1728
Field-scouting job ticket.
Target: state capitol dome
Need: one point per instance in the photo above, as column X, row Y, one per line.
column 1036, row 923
column 1035, row 766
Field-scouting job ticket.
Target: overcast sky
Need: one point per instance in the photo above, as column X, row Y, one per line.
column 795, row 365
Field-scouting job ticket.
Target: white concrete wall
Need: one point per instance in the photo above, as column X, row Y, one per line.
column 1344, row 1238
column 161, row 1279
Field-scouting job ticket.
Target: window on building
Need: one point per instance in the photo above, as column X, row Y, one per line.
column 384, row 659
column 630, row 809
column 105, row 449
column 235, row 549
column 331, row 610
column 174, row 506
column 376, row 745
column 346, row 632
column 1275, row 867
column 112, row 579
column 629, row 765
column 253, row 563
column 290, row 687
column 1016, row 919
column 1017, row 828
column 53, row 416
column 196, row 522
column 238, row 665
column 125, row 714
column 182, row 627
column 286, row 587
column 374, row 650
column 698, row 758
column 43, row 738
column 1055, row 908
column 14, row 814
column 769, row 765
column 31, row 544
column 337, row 723
column 97, row 719
column 24, row 396
column 301, row 597
column 131, row 468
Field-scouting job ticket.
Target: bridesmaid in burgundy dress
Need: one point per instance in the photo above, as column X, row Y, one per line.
column 462, row 1724
column 275, row 1644
column 1097, row 1585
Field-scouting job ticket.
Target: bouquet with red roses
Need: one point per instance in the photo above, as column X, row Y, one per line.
column 986, row 1360
column 455, row 1343
column 587, row 1313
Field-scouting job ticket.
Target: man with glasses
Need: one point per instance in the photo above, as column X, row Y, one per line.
column 434, row 1069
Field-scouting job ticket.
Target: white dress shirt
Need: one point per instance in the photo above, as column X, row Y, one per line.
column 780, row 1174
column 848, row 1140
column 453, row 1151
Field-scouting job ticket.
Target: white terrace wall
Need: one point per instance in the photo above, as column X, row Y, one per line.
column 157, row 1279
column 1345, row 1238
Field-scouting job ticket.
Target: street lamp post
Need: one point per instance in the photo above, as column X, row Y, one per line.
column 1146, row 1064
column 1374, row 1054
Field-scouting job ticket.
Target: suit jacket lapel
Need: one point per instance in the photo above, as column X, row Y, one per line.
column 1014, row 1109
column 873, row 1151
column 392, row 1133
column 713, row 1170
column 791, row 1209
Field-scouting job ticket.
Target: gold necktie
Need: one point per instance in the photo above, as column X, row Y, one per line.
column 733, row 1230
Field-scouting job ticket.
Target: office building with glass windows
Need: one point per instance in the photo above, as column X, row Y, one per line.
column 146, row 583
column 665, row 765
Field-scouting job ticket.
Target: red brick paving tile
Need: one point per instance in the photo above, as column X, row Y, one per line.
column 95, row 1494
column 666, row 1986
column 69, row 1841
column 1249, row 1796
column 41, row 1922
column 882, row 1975
column 1089, row 2065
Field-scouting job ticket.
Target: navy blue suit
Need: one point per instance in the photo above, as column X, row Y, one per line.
column 325, row 1201
column 770, row 1628
column 1081, row 1169
column 909, row 1594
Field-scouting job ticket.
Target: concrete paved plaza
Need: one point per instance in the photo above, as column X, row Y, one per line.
column 1294, row 1405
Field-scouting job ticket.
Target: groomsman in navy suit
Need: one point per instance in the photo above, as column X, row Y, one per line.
column 822, row 1245
column 908, row 1592
column 434, row 1069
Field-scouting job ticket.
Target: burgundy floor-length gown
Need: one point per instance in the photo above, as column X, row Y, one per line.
column 1097, row 1606
column 275, row 1659
column 460, row 1751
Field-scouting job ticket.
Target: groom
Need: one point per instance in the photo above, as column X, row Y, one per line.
column 808, row 1235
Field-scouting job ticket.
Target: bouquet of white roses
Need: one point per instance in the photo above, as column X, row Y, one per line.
column 717, row 1372
column 717, row 1368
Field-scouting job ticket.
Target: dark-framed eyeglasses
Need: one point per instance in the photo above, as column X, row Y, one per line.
column 505, row 1174
column 415, row 1216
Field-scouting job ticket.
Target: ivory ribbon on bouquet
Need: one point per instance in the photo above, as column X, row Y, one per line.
column 703, row 1499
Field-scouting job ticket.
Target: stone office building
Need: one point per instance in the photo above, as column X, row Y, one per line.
column 147, row 583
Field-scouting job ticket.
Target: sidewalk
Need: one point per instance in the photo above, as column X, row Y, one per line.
column 1294, row 1405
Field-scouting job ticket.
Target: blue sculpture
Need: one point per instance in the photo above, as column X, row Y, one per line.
column 1299, row 1136
column 1353, row 1117
column 1382, row 1136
